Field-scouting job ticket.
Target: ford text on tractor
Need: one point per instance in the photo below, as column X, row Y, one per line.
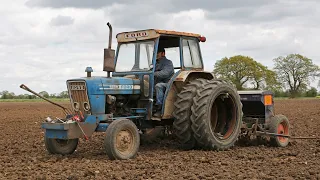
column 204, row 112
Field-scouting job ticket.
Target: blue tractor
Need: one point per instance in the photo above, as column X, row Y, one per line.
column 204, row 112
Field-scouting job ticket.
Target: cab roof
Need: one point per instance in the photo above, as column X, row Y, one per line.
column 177, row 33
column 150, row 34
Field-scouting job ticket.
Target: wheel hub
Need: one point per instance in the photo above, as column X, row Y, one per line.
column 124, row 141
column 282, row 129
column 62, row 142
column 221, row 124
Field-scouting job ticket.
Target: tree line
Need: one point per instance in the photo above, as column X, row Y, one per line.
column 290, row 76
column 10, row 95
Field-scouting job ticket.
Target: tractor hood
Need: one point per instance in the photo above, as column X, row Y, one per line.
column 103, row 85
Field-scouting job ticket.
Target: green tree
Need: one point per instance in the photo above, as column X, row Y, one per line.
column 63, row 94
column 263, row 78
column 281, row 93
column 237, row 69
column 242, row 70
column 272, row 82
column 257, row 75
column 44, row 94
column 295, row 71
column 22, row 96
column 7, row 95
column 32, row 97
column 312, row 92
column 52, row 96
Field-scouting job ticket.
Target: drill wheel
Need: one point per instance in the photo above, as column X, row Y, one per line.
column 279, row 124
column 61, row 146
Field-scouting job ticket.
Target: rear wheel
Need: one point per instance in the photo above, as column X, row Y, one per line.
column 122, row 140
column 216, row 115
column 61, row 146
column 279, row 124
column 182, row 113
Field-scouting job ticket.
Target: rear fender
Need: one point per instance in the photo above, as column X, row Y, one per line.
column 175, row 85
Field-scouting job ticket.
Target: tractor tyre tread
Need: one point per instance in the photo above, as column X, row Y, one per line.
column 182, row 113
column 201, row 117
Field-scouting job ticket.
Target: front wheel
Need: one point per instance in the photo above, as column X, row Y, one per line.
column 122, row 140
column 61, row 146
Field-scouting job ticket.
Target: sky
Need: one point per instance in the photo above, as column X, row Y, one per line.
column 45, row 42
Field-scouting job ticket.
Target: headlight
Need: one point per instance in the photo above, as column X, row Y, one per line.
column 76, row 106
column 86, row 106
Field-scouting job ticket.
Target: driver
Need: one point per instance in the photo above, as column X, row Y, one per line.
column 163, row 72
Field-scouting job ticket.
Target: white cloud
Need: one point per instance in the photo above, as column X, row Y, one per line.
column 61, row 21
column 44, row 43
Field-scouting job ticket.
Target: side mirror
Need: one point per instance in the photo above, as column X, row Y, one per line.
column 108, row 60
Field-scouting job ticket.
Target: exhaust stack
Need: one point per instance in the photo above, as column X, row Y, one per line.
column 110, row 35
column 108, row 61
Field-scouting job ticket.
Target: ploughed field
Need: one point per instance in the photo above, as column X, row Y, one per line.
column 23, row 155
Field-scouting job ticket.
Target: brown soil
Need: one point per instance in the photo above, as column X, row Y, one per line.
column 23, row 155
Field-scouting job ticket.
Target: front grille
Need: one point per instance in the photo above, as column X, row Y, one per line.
column 78, row 96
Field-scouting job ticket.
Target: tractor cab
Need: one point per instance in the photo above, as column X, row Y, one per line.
column 136, row 50
column 135, row 58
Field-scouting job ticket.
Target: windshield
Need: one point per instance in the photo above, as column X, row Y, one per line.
column 135, row 56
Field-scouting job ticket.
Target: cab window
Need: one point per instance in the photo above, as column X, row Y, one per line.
column 191, row 54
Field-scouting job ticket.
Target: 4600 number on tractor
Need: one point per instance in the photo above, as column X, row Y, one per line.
column 204, row 111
